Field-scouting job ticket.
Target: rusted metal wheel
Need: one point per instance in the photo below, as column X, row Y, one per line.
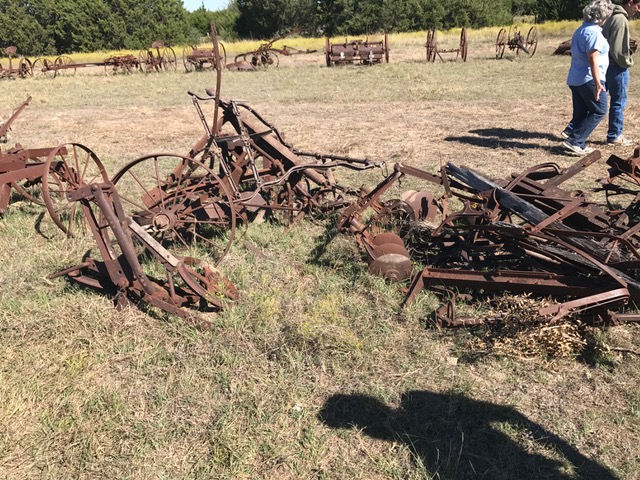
column 64, row 66
column 169, row 62
column 187, row 58
column 270, row 59
column 42, row 67
column 501, row 43
column 223, row 55
column 24, row 68
column 145, row 59
column 463, row 44
column 431, row 46
column 67, row 168
column 386, row 48
column 327, row 51
column 178, row 201
column 532, row 41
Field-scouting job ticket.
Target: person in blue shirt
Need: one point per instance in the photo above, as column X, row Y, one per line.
column 586, row 79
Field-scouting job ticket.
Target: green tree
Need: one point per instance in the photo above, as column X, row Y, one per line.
column 225, row 21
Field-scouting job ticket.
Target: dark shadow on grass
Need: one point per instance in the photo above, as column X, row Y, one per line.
column 456, row 437
column 512, row 133
column 509, row 138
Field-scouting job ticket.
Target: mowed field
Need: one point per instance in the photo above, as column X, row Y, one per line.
column 316, row 371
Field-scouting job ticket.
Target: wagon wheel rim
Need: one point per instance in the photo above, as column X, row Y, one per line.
column 463, row 44
column 144, row 60
column 169, row 62
column 64, row 173
column 24, row 68
column 223, row 59
column 179, row 201
column 62, row 66
column 186, row 61
column 42, row 67
column 501, row 42
column 431, row 45
column 532, row 40
column 327, row 51
column 386, row 48
column 272, row 60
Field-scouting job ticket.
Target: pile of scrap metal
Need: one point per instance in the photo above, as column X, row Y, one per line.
column 522, row 235
column 240, row 170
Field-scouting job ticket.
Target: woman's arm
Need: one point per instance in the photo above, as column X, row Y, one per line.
column 595, row 72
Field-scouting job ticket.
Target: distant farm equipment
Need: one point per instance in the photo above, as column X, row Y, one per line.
column 266, row 55
column 22, row 69
column 157, row 57
column 194, row 58
column 516, row 42
column 433, row 50
column 367, row 52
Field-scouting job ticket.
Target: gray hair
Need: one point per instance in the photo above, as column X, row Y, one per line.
column 597, row 11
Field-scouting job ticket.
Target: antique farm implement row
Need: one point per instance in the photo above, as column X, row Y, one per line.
column 525, row 234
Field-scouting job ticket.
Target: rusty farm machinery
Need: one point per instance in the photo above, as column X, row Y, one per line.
column 515, row 41
column 195, row 58
column 434, row 50
column 266, row 55
column 21, row 70
column 240, row 169
column 156, row 58
column 366, row 52
column 73, row 185
column 523, row 235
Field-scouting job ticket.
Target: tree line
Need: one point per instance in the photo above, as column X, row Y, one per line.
column 49, row 27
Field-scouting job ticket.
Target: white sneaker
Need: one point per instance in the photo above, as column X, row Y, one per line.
column 565, row 133
column 621, row 141
column 576, row 150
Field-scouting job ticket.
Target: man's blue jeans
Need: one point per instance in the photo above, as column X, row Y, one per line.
column 617, row 84
column 587, row 112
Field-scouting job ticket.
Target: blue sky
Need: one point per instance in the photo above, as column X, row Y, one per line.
column 192, row 5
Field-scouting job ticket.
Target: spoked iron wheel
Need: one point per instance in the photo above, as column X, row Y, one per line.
column 145, row 59
column 431, row 46
column 463, row 44
column 43, row 67
column 64, row 66
column 68, row 168
column 187, row 56
column 532, row 41
column 327, row 51
column 386, row 48
column 501, row 43
column 223, row 56
column 169, row 62
column 179, row 201
column 25, row 68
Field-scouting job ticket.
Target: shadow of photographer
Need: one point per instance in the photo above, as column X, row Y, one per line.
column 456, row 437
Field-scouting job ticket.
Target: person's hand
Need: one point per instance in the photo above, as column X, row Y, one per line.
column 599, row 88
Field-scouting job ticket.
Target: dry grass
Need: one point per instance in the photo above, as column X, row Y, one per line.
column 315, row 372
